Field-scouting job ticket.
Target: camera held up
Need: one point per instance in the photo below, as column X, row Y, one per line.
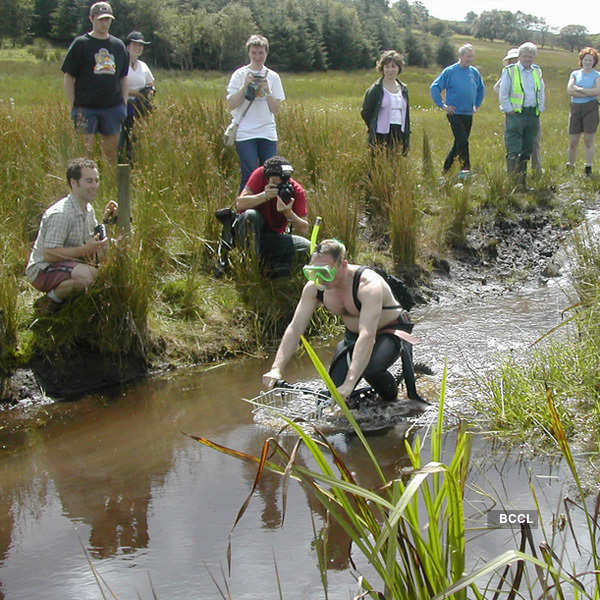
column 253, row 87
column 286, row 189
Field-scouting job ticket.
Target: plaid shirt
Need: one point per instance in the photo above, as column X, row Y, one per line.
column 64, row 225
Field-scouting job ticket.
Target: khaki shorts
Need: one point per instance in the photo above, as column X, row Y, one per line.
column 583, row 117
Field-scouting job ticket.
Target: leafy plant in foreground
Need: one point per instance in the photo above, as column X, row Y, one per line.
column 415, row 553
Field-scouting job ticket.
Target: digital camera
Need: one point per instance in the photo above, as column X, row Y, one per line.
column 286, row 189
column 253, row 87
column 100, row 231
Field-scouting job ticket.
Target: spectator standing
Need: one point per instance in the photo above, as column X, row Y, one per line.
column 140, row 90
column 459, row 91
column 512, row 56
column 254, row 95
column 69, row 239
column 385, row 108
column 522, row 99
column 584, row 89
column 95, row 70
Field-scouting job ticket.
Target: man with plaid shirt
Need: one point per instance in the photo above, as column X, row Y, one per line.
column 68, row 238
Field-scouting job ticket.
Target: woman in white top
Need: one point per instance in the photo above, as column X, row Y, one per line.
column 254, row 95
column 140, row 83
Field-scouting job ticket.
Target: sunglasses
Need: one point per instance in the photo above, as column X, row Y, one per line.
column 313, row 273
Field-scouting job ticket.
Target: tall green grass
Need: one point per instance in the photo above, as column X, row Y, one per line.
column 183, row 173
column 568, row 363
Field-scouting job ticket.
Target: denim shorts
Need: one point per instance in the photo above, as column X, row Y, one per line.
column 106, row 121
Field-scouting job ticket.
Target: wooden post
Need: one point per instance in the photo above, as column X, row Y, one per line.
column 124, row 218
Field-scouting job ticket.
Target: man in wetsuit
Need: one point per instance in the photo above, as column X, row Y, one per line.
column 377, row 330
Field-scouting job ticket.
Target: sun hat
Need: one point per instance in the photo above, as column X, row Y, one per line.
column 512, row 53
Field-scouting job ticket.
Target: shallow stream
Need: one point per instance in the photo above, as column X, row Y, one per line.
column 115, row 474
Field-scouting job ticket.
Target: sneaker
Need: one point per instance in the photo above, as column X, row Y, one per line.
column 465, row 174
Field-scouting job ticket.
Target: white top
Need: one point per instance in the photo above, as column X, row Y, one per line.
column 398, row 108
column 259, row 121
column 139, row 76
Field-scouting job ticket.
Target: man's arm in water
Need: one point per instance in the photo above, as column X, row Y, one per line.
column 291, row 337
column 371, row 296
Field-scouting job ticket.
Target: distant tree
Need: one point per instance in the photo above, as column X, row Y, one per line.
column 438, row 28
column 42, row 17
column 417, row 53
column 470, row 17
column 446, row 53
column 236, row 23
column 420, row 14
column 69, row 19
column 544, row 31
column 16, row 17
column 574, row 37
column 488, row 26
column 402, row 13
column 347, row 45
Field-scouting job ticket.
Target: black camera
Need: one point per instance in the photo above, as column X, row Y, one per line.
column 286, row 189
column 253, row 87
column 100, row 231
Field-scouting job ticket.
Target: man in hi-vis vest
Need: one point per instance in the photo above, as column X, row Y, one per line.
column 522, row 99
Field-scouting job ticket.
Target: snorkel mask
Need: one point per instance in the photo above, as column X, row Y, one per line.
column 319, row 273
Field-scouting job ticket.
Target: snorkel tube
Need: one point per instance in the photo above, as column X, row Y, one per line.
column 315, row 234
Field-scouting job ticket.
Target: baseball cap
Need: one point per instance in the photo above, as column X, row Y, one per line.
column 136, row 36
column 102, row 10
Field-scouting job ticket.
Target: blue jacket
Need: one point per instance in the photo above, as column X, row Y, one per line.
column 464, row 88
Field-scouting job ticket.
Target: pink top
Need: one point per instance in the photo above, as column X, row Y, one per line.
column 392, row 111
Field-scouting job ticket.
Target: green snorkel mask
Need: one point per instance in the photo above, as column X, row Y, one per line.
column 315, row 273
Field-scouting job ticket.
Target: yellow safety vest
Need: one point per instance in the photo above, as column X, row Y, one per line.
column 517, row 95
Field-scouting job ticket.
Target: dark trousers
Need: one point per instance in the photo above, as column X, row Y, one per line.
column 277, row 251
column 386, row 351
column 520, row 133
column 461, row 129
column 394, row 139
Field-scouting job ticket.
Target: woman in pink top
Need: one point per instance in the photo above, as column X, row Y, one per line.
column 385, row 107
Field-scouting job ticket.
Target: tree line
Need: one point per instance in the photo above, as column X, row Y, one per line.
column 305, row 35
column 516, row 27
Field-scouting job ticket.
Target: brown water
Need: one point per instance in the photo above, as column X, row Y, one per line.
column 116, row 474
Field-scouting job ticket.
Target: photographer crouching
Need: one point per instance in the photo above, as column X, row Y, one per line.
column 270, row 202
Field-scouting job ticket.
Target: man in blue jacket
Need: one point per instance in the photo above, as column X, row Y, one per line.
column 459, row 90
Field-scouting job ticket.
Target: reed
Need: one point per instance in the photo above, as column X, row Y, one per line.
column 411, row 530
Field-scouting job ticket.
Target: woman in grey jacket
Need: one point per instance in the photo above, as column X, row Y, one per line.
column 385, row 107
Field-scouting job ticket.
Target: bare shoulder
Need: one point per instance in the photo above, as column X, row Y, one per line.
column 371, row 286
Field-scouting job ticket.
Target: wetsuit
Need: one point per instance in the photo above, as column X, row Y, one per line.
column 389, row 345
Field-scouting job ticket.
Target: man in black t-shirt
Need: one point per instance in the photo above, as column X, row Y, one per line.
column 95, row 70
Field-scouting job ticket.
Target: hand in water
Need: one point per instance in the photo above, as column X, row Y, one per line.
column 270, row 378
